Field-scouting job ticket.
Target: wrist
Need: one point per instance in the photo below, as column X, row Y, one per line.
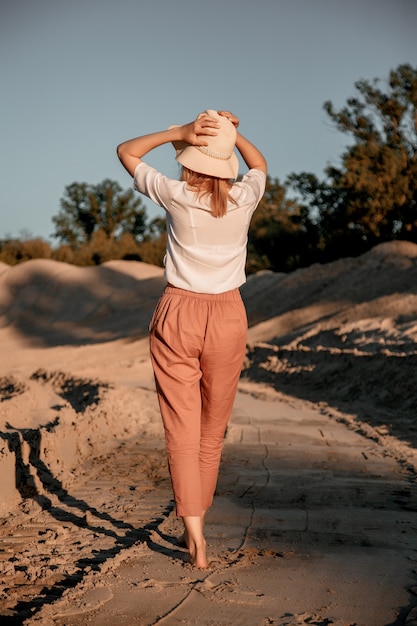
column 176, row 133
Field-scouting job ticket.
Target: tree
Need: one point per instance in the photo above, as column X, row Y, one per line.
column 14, row 251
column 86, row 209
column 153, row 247
column 372, row 196
column 334, row 235
column 278, row 232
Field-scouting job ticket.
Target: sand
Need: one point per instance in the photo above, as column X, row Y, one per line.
column 314, row 520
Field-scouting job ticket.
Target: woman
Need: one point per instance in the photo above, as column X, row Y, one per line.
column 199, row 327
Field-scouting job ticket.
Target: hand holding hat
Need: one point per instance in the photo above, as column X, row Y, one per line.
column 195, row 133
column 232, row 118
column 208, row 145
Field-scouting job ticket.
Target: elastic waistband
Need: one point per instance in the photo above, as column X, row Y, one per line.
column 234, row 294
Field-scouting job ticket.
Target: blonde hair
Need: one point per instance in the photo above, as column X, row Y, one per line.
column 216, row 188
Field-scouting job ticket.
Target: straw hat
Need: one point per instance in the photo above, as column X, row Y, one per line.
column 218, row 157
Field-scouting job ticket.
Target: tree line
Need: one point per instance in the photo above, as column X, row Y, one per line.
column 368, row 198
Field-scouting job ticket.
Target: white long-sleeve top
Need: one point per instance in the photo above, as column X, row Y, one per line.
column 204, row 254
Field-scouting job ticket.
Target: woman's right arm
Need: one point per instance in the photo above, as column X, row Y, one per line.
column 253, row 158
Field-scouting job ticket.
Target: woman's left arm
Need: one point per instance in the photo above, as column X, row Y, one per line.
column 131, row 152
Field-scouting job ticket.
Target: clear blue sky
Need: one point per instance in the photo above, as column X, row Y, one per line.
column 80, row 76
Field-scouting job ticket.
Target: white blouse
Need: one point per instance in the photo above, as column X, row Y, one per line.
column 205, row 254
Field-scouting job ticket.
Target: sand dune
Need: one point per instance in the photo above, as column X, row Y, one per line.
column 53, row 303
column 343, row 333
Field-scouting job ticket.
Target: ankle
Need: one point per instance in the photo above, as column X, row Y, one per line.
column 198, row 555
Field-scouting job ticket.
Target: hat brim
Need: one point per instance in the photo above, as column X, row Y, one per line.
column 193, row 159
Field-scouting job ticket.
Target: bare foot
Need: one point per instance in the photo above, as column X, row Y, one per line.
column 198, row 556
column 194, row 540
